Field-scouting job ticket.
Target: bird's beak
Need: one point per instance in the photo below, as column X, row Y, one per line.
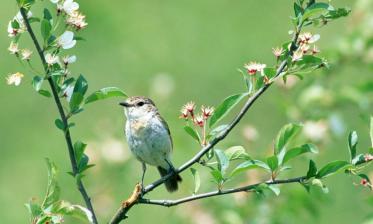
column 124, row 104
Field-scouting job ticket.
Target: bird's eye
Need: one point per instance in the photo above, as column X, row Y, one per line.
column 140, row 104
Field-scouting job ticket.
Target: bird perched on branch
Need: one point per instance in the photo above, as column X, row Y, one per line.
column 149, row 138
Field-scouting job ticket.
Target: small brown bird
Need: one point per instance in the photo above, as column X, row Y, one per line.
column 149, row 138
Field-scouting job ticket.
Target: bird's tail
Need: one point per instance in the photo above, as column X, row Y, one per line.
column 171, row 183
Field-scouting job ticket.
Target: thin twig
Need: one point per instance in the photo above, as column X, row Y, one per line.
column 121, row 213
column 169, row 203
column 62, row 115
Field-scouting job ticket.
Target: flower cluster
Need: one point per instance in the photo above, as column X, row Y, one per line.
column 304, row 41
column 199, row 119
column 74, row 18
column 188, row 111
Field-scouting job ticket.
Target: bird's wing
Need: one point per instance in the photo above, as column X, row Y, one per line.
column 164, row 123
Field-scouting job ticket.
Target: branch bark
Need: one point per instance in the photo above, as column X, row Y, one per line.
column 63, row 116
column 121, row 213
column 170, row 203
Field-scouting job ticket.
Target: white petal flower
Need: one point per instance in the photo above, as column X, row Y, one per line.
column 13, row 48
column 69, row 59
column 51, row 59
column 26, row 54
column 54, row 1
column 254, row 67
column 308, row 38
column 69, row 6
column 15, row 79
column 68, row 93
column 77, row 20
column 298, row 55
column 66, row 40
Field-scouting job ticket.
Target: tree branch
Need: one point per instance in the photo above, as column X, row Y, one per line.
column 170, row 203
column 121, row 213
column 63, row 117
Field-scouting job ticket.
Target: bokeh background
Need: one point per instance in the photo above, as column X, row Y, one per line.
column 174, row 52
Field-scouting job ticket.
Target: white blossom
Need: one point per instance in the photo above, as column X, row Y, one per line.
column 26, row 54
column 69, row 6
column 66, row 40
column 254, row 67
column 308, row 38
column 68, row 93
column 51, row 59
column 13, row 48
column 77, row 20
column 297, row 56
column 277, row 51
column 54, row 1
column 69, row 59
column 15, row 79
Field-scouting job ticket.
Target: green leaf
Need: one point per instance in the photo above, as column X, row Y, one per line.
column 197, row 180
column 236, row 152
column 34, row 19
column 53, row 190
column 316, row 9
column 83, row 162
column 104, row 93
column 75, row 211
column 76, row 102
column 335, row 14
column 59, row 124
column 37, row 81
column 294, row 152
column 193, row 133
column 250, row 164
column 79, row 148
column 225, row 107
column 331, row 168
column 47, row 14
column 319, row 183
column 34, row 209
column 359, row 159
column 352, row 143
column 46, row 28
column 371, row 130
column 285, row 135
column 297, row 10
column 217, row 175
column 312, row 169
column 272, row 163
column 45, row 93
column 223, row 162
column 217, row 131
column 80, row 88
column 81, row 85
column 275, row 189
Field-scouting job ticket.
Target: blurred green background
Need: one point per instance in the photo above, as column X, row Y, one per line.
column 174, row 52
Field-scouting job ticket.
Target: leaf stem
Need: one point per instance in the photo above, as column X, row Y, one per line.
column 61, row 111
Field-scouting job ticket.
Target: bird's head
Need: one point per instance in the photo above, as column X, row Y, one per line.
column 138, row 106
